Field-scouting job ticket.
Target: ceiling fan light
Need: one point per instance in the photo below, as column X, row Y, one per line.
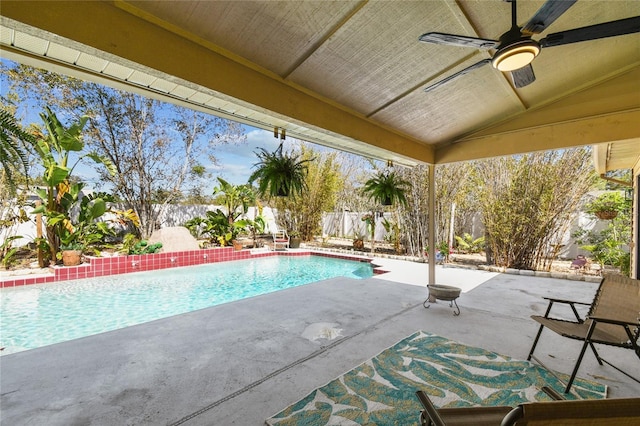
column 516, row 55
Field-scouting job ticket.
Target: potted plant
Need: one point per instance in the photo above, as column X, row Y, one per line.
column 606, row 206
column 358, row 241
column 71, row 253
column 294, row 239
column 234, row 230
column 387, row 188
column 279, row 174
column 256, row 227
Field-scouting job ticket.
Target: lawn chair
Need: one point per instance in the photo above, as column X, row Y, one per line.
column 280, row 240
column 618, row 411
column 613, row 319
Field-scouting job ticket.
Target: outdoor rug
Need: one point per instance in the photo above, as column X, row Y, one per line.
column 381, row 391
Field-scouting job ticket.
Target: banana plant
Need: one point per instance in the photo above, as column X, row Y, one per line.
column 255, row 226
column 236, row 198
column 55, row 149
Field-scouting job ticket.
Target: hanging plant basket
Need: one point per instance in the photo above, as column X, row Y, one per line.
column 606, row 215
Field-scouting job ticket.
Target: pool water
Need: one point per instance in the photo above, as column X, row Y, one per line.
column 39, row 315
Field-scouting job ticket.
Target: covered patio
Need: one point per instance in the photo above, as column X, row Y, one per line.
column 242, row 362
column 349, row 75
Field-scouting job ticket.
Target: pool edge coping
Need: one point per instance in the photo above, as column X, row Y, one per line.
column 117, row 265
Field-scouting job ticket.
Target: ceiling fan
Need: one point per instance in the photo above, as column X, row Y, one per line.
column 515, row 50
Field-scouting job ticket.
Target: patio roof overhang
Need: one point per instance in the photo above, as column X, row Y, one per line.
column 616, row 155
column 347, row 75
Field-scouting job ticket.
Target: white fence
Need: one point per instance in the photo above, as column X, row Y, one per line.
column 343, row 224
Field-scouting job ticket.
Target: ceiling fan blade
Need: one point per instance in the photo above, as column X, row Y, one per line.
column 523, row 76
column 458, row 40
column 546, row 15
column 593, row 32
column 456, row 75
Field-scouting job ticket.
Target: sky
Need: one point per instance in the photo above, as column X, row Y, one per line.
column 235, row 161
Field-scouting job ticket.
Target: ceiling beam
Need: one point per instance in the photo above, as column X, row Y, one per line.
column 587, row 131
column 104, row 26
column 609, row 111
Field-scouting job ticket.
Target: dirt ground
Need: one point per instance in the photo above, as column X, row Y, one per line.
column 463, row 259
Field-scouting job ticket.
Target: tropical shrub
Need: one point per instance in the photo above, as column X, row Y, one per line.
column 467, row 244
column 132, row 245
column 608, row 246
column 8, row 251
column 55, row 151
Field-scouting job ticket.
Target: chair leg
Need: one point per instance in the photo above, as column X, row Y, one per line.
column 587, row 341
column 593, row 348
column 535, row 342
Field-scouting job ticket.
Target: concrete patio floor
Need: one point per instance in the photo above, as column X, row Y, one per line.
column 241, row 362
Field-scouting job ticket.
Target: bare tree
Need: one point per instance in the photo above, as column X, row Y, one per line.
column 526, row 203
column 153, row 154
column 453, row 185
column 155, row 147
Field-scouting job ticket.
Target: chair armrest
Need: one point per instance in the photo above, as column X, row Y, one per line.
column 513, row 416
column 431, row 409
column 570, row 302
column 613, row 321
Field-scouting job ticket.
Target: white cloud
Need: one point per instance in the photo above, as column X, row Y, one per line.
column 255, row 138
column 235, row 162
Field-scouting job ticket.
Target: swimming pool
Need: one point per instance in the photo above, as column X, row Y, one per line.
column 42, row 314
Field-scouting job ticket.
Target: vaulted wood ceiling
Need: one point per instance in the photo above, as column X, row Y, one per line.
column 349, row 74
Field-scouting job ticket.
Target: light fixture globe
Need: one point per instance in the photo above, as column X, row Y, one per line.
column 515, row 55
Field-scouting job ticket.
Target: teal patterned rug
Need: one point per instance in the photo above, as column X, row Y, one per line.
column 381, row 391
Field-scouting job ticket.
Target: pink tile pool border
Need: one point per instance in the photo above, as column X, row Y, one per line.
column 102, row 266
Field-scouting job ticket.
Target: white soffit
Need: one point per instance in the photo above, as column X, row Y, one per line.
column 37, row 51
column 616, row 155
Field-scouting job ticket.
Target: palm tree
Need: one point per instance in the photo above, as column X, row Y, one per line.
column 387, row 188
column 13, row 140
column 279, row 174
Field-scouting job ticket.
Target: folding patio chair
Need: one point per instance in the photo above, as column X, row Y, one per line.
column 617, row 411
column 613, row 319
column 280, row 240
